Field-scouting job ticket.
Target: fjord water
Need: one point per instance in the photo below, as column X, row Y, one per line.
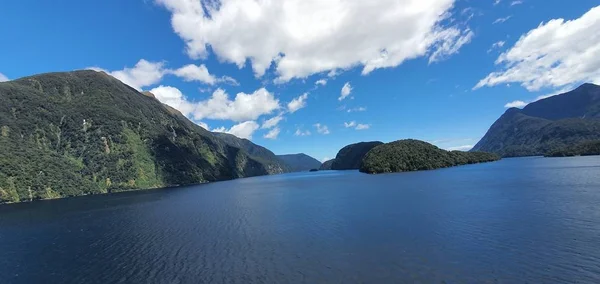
column 533, row 220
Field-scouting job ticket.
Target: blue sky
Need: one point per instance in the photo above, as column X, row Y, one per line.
column 436, row 70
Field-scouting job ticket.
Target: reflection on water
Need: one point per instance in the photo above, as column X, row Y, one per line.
column 518, row 220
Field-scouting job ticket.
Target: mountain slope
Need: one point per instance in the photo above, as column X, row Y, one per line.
column 326, row 166
column 546, row 125
column 85, row 132
column 300, row 162
column 350, row 157
column 257, row 152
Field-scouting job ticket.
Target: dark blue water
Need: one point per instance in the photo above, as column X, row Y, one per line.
column 526, row 220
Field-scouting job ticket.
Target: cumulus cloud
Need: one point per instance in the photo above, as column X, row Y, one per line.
column 173, row 97
column 272, row 122
column 502, row 20
column 244, row 107
column 553, row 55
column 273, row 133
column 3, row 78
column 301, row 133
column 363, row 126
column 300, row 38
column 496, row 2
column 518, row 104
column 193, row 72
column 241, row 130
column 346, row 90
column 145, row 73
column 321, row 82
column 323, row 129
column 202, row 124
column 297, row 103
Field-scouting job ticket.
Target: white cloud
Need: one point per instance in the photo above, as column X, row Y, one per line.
column 453, row 40
column 496, row 2
column 174, row 98
column 553, row 55
column 323, row 129
column 321, row 82
column 357, row 109
column 301, row 133
column 193, row 72
column 244, row 107
column 496, row 45
column 346, row 90
column 513, row 3
column 272, row 122
column 461, row 148
column 202, row 124
column 241, row 130
column 363, row 126
column 273, row 133
column 3, row 78
column 145, row 73
column 518, row 104
column 297, row 103
column 349, row 124
column 502, row 20
column 302, row 38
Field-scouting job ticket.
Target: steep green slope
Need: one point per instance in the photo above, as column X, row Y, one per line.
column 415, row 155
column 588, row 148
column 300, row 162
column 84, row 132
column 273, row 164
column 350, row 157
column 546, row 125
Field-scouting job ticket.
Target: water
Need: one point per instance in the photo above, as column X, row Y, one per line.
column 526, row 220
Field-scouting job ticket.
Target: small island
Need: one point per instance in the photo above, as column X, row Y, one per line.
column 414, row 155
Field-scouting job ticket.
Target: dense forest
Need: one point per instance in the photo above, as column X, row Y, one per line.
column 547, row 125
column 415, row 155
column 85, row 132
column 588, row 148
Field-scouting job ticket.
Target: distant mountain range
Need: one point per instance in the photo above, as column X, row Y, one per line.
column 300, row 162
column 85, row 132
column 547, row 125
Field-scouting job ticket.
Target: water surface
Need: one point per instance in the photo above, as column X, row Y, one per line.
column 525, row 220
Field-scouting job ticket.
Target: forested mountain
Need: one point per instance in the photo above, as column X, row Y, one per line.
column 326, row 165
column 273, row 164
column 350, row 157
column 587, row 148
column 300, row 162
column 85, row 132
column 414, row 155
column 546, row 125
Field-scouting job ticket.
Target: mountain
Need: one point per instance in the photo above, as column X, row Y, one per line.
column 326, row 165
column 546, row 125
column 415, row 155
column 273, row 164
column 350, row 157
column 85, row 132
column 300, row 162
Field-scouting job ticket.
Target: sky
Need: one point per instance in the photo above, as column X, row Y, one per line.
column 313, row 76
